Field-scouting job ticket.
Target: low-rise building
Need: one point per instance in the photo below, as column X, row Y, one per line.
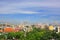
column 51, row 27
column 8, row 29
column 58, row 29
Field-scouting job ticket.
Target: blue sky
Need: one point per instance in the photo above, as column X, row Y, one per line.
column 40, row 11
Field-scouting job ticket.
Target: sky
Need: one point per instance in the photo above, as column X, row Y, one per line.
column 34, row 11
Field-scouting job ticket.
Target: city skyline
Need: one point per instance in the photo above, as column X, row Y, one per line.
column 40, row 11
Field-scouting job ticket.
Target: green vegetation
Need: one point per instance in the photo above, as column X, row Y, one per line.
column 36, row 34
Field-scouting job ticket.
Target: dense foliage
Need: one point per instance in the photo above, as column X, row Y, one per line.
column 36, row 34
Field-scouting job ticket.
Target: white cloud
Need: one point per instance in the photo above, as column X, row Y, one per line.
column 16, row 7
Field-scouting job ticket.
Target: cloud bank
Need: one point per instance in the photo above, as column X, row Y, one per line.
column 29, row 6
